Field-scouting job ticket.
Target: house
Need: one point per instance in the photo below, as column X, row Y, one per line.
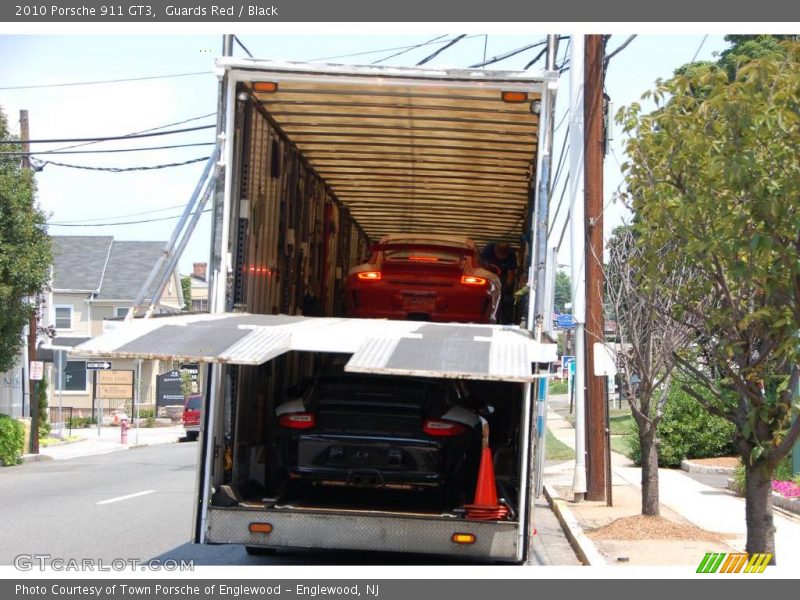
column 95, row 280
column 199, row 287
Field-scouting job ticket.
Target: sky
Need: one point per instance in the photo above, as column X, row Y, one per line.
column 73, row 196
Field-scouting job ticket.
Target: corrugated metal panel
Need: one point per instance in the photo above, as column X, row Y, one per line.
column 491, row 352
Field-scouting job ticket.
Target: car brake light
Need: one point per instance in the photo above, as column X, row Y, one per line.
column 302, row 420
column 443, row 428
column 369, row 275
column 472, row 280
column 423, row 258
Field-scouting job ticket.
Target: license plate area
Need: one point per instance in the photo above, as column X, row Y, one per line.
column 417, row 303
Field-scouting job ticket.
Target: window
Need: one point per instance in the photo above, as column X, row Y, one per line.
column 63, row 317
column 120, row 312
column 199, row 304
column 74, row 376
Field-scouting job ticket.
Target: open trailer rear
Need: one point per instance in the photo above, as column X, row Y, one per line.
column 317, row 162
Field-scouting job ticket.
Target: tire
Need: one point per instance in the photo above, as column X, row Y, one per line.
column 192, row 436
column 259, row 550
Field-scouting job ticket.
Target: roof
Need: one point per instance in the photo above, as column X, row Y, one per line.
column 129, row 265
column 109, row 268
column 410, row 149
column 79, row 261
column 412, row 348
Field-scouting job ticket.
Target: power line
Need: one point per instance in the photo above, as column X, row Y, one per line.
column 145, row 130
column 438, row 37
column 107, row 151
column 619, row 49
column 77, row 83
column 136, row 214
column 509, row 54
column 703, row 41
column 110, row 138
column 121, row 223
column 43, row 164
column 535, row 59
column 442, row 49
column 242, row 46
column 385, row 49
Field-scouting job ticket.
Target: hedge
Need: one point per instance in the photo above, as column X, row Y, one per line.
column 12, row 440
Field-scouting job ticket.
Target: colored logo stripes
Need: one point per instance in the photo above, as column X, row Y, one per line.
column 721, row 562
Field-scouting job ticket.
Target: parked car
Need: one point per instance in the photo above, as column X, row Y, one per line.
column 191, row 416
column 424, row 277
column 378, row 432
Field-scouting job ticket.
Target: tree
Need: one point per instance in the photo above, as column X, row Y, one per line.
column 647, row 342
column 25, row 253
column 563, row 292
column 714, row 179
column 186, row 288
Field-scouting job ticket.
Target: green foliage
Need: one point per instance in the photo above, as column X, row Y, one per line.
column 558, row 387
column 739, row 478
column 12, row 440
column 150, row 421
column 783, row 472
column 43, row 414
column 686, row 430
column 186, row 288
column 25, row 254
column 748, row 47
column 186, row 383
column 80, row 422
column 563, row 292
column 147, row 413
column 714, row 177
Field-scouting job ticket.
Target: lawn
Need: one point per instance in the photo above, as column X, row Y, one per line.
column 556, row 449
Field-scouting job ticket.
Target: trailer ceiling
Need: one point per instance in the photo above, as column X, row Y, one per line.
column 410, row 150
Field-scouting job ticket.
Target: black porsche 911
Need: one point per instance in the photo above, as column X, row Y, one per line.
column 378, row 432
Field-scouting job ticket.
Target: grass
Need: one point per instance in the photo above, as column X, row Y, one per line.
column 52, row 441
column 556, row 449
column 557, row 387
column 619, row 443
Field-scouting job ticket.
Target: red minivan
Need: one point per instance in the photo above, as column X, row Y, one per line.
column 191, row 416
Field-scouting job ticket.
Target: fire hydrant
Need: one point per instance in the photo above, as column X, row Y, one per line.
column 123, row 430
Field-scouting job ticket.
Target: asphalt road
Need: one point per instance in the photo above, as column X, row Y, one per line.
column 137, row 504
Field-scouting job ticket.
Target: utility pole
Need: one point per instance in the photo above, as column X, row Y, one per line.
column 33, row 404
column 593, row 172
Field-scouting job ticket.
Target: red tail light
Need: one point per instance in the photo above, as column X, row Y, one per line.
column 301, row 420
column 369, row 275
column 423, row 258
column 443, row 428
column 472, row 280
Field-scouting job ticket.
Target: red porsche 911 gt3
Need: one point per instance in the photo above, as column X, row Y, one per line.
column 423, row 277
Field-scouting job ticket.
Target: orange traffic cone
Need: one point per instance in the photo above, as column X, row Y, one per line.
column 485, row 506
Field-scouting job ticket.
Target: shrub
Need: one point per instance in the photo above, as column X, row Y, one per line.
column 43, row 414
column 687, row 430
column 12, row 440
column 558, row 387
column 80, row 422
column 150, row 421
column 147, row 413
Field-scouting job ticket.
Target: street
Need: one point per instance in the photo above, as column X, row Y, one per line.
column 137, row 504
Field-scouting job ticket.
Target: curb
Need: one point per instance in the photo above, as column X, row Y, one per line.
column 691, row 467
column 583, row 547
column 30, row 458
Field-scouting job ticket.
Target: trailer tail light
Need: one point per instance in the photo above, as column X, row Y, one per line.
column 302, row 420
column 463, row 538
column 439, row 428
column 369, row 275
column 514, row 97
column 473, row 281
column 268, row 87
column 260, row 528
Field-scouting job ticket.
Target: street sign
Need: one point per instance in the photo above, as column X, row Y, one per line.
column 36, row 370
column 115, row 377
column 565, row 321
column 168, row 389
column 101, row 365
column 566, row 359
column 112, row 391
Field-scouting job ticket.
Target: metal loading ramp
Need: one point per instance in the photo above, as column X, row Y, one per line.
column 409, row 150
column 451, row 350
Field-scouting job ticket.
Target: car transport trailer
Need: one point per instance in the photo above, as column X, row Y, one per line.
column 316, row 162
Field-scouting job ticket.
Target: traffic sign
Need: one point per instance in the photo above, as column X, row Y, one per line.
column 565, row 321
column 101, row 365
column 566, row 359
column 36, row 370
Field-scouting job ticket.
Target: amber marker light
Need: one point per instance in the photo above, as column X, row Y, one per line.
column 260, row 527
column 463, row 538
column 266, row 87
column 514, row 97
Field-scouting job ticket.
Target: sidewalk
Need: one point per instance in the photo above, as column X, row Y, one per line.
column 108, row 440
column 697, row 518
